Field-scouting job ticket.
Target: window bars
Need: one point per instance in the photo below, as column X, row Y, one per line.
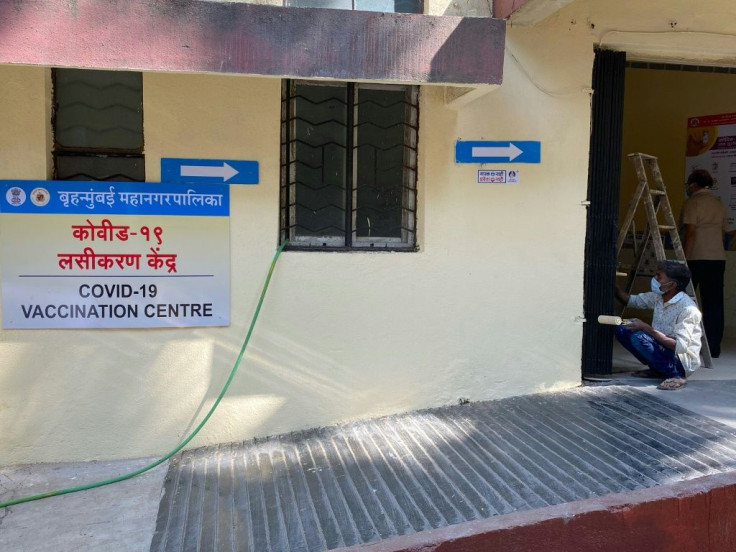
column 349, row 165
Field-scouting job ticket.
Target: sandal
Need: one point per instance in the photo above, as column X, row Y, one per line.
column 649, row 374
column 672, row 383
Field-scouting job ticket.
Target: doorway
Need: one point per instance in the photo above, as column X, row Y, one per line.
column 644, row 107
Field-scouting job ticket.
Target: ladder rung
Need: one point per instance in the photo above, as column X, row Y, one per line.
column 667, row 227
column 658, row 192
column 622, row 273
column 642, row 155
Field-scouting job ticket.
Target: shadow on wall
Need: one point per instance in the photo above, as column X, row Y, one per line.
column 155, row 386
column 96, row 385
column 279, row 366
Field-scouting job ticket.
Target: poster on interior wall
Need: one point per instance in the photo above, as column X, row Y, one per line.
column 711, row 145
column 114, row 254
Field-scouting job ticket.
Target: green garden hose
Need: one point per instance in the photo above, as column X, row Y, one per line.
column 181, row 445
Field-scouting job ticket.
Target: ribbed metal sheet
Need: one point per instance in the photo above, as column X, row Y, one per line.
column 362, row 482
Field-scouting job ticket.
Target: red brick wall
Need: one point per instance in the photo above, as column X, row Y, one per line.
column 692, row 516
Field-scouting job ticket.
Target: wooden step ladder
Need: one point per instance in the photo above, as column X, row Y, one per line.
column 649, row 248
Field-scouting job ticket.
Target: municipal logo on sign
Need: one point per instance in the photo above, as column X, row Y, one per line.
column 40, row 197
column 15, row 196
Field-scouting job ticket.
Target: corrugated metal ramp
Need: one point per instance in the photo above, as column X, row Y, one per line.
column 356, row 483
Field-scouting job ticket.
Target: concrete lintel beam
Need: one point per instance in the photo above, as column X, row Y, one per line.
column 250, row 39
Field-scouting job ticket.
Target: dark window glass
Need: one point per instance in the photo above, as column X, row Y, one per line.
column 319, row 155
column 92, row 167
column 98, row 125
column 334, row 4
column 396, row 6
column 380, row 166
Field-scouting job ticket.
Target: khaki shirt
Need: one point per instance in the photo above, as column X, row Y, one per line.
column 678, row 318
column 708, row 214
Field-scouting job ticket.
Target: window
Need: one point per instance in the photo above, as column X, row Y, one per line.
column 349, row 165
column 395, row 6
column 98, row 125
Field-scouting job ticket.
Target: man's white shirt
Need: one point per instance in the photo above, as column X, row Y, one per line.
column 678, row 318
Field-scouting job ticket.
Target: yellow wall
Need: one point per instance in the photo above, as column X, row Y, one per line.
column 341, row 336
column 489, row 307
column 24, row 123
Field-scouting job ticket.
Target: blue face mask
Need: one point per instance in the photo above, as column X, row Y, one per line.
column 656, row 288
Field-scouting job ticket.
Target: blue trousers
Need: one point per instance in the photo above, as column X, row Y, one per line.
column 651, row 353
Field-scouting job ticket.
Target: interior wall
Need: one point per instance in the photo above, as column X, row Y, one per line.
column 657, row 104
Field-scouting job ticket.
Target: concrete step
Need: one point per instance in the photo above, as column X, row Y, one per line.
column 380, row 479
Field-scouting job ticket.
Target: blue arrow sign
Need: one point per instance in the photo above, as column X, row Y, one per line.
column 203, row 171
column 497, row 152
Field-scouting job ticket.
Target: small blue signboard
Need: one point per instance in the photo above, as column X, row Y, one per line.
column 468, row 151
column 77, row 197
column 204, row 171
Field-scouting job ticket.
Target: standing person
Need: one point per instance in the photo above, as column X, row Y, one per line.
column 670, row 347
column 703, row 223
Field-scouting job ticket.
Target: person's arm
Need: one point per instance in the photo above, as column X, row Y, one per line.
column 667, row 342
column 687, row 333
column 688, row 229
column 724, row 227
column 622, row 296
column 688, row 241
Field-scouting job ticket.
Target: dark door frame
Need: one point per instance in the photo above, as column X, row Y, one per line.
column 604, row 172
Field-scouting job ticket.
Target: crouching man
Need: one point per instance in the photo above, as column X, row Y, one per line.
column 670, row 347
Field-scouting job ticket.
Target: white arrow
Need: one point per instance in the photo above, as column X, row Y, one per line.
column 226, row 172
column 512, row 152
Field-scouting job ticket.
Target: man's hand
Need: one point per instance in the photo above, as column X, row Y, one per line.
column 634, row 324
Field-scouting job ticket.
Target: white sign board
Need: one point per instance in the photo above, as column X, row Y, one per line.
column 114, row 254
column 711, row 145
column 498, row 176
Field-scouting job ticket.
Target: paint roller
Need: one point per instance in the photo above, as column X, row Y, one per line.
column 613, row 320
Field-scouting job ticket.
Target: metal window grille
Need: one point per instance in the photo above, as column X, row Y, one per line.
column 391, row 6
column 349, row 165
column 98, row 125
